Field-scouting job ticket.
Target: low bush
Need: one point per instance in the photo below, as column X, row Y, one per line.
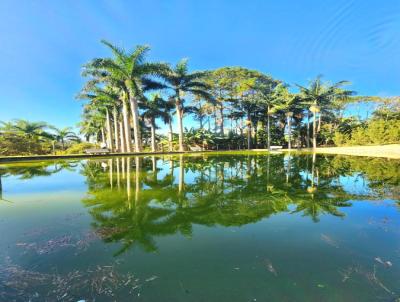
column 78, row 148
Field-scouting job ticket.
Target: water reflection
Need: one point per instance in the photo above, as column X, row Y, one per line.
column 138, row 199
column 133, row 200
column 26, row 171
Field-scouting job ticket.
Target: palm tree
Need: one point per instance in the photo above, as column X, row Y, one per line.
column 181, row 81
column 104, row 100
column 62, row 135
column 131, row 73
column 319, row 96
column 91, row 124
column 153, row 108
column 167, row 109
column 30, row 130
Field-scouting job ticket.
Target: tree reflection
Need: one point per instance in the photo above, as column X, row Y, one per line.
column 26, row 171
column 134, row 200
column 169, row 195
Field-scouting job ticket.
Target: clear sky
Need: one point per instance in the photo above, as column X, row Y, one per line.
column 43, row 44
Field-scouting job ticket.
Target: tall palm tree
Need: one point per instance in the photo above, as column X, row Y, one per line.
column 153, row 109
column 319, row 96
column 91, row 124
column 167, row 109
column 62, row 135
column 257, row 96
column 106, row 100
column 130, row 72
column 180, row 81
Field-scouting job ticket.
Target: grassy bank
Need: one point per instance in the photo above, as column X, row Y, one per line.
column 387, row 151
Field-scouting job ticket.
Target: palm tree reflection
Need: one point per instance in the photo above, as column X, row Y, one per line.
column 209, row 191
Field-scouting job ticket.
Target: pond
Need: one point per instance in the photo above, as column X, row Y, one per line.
column 233, row 227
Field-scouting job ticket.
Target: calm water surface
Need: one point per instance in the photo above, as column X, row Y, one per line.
column 201, row 228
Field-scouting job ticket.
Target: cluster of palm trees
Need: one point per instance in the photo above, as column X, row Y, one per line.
column 37, row 133
column 117, row 89
column 128, row 95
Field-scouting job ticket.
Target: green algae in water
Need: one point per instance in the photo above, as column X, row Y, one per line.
column 208, row 227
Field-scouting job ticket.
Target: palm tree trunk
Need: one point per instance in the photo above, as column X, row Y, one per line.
column 319, row 122
column 153, row 136
column 121, row 135
column 289, row 133
column 127, row 128
column 179, row 116
column 215, row 120
column 308, row 130
column 268, row 130
column 136, row 125
column 109, row 132
column 103, row 138
column 314, row 139
column 221, row 113
column 170, row 135
column 116, row 136
column 248, row 132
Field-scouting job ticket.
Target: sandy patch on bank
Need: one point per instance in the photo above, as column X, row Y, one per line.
column 388, row 151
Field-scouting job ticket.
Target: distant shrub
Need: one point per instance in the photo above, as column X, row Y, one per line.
column 376, row 132
column 79, row 148
column 340, row 139
column 12, row 144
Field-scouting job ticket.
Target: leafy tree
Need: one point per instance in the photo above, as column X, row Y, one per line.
column 181, row 82
column 62, row 135
column 321, row 97
column 132, row 75
column 153, row 109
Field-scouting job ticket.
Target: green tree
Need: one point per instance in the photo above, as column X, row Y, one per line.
column 321, row 97
column 181, row 82
column 62, row 135
column 153, row 109
column 130, row 72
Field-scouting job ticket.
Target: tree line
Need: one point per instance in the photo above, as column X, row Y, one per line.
column 128, row 97
column 22, row 137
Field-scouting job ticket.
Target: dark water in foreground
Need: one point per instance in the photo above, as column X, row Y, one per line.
column 201, row 228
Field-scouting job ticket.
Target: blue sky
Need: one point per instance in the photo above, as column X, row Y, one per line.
column 43, row 44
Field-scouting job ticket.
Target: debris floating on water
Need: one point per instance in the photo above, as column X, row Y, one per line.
column 152, row 278
column 329, row 240
column 384, row 263
column 17, row 283
column 270, row 267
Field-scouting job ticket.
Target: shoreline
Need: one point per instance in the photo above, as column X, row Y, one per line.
column 382, row 151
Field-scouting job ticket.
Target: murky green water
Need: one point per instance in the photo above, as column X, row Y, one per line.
column 201, row 228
